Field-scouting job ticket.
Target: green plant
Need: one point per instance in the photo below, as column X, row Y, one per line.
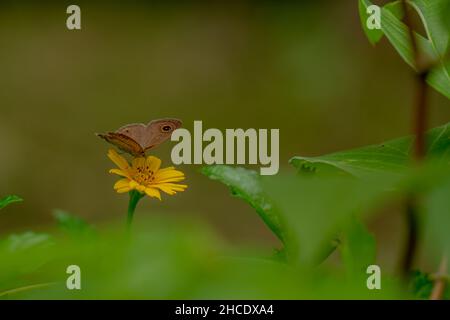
column 318, row 209
column 8, row 200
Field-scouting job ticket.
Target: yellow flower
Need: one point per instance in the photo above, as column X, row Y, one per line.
column 145, row 176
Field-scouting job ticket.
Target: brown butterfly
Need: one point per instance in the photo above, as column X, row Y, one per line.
column 137, row 138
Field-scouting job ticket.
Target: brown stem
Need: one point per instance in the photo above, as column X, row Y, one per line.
column 421, row 116
column 441, row 281
column 420, row 107
column 420, row 124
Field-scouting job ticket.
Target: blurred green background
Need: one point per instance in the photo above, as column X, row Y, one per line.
column 305, row 68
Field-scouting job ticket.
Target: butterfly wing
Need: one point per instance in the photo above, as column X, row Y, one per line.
column 135, row 131
column 124, row 143
column 137, row 138
column 158, row 131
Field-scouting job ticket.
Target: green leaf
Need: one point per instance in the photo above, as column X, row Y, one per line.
column 396, row 8
column 8, row 200
column 246, row 184
column 373, row 35
column 435, row 16
column 437, row 218
column 314, row 210
column 445, row 16
column 397, row 33
column 432, row 13
column 71, row 224
column 390, row 158
column 358, row 249
column 27, row 240
column 17, row 247
column 421, row 285
column 171, row 259
column 439, row 78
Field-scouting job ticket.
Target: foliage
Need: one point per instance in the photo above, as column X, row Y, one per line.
column 320, row 206
column 422, row 285
column 358, row 249
column 73, row 225
column 324, row 204
column 167, row 259
column 8, row 200
column 392, row 157
column 245, row 184
column 434, row 47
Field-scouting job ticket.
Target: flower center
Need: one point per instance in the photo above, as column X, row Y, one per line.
column 144, row 175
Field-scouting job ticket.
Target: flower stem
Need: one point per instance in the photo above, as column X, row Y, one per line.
column 135, row 196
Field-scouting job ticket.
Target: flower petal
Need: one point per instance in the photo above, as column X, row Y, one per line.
column 178, row 187
column 162, row 175
column 119, row 172
column 120, row 161
column 170, row 188
column 133, row 184
column 166, row 169
column 170, row 180
column 138, row 162
column 140, row 188
column 122, row 183
column 152, row 192
column 123, row 190
column 153, row 163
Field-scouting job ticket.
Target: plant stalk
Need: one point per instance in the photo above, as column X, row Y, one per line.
column 421, row 116
column 420, row 126
column 420, row 110
column 441, row 281
column 135, row 196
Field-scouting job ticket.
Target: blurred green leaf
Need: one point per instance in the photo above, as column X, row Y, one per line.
column 421, row 285
column 6, row 294
column 314, row 210
column 358, row 249
column 373, row 35
column 27, row 240
column 437, row 218
column 8, row 200
column 22, row 255
column 71, row 224
column 246, row 185
column 391, row 157
column 170, row 260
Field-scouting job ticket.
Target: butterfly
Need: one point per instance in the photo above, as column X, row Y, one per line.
column 137, row 138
